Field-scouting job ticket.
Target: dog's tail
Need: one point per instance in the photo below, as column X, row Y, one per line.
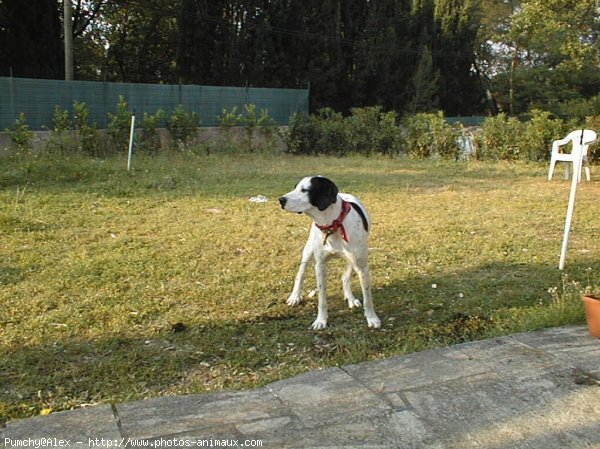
column 358, row 209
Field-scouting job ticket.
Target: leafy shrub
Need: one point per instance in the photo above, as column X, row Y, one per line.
column 265, row 120
column 149, row 139
column 61, row 120
column 89, row 141
column 20, row 134
column 253, row 123
column 183, row 126
column 250, row 120
column 119, row 125
column 425, row 135
column 229, row 119
column 366, row 131
column 361, row 129
column 499, row 138
column 538, row 134
column 333, row 135
column 319, row 133
column 61, row 139
column 416, row 135
column 268, row 130
column 389, row 138
column 370, row 130
column 593, row 122
column 429, row 135
column 302, row 135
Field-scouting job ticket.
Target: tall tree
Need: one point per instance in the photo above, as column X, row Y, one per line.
column 541, row 54
column 210, row 40
column 385, row 55
column 457, row 23
column 140, row 41
column 425, row 84
column 30, row 39
column 563, row 50
column 276, row 43
column 327, row 70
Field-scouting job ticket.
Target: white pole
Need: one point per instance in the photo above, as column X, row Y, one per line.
column 131, row 134
column 574, row 182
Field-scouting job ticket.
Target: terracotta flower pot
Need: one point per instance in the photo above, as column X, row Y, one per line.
column 592, row 314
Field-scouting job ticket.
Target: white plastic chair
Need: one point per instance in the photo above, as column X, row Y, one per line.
column 581, row 140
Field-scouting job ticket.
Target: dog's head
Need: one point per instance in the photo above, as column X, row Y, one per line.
column 311, row 192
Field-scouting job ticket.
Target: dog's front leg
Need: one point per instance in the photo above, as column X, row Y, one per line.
column 321, row 272
column 296, row 295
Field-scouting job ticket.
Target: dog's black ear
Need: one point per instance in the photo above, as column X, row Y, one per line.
column 322, row 193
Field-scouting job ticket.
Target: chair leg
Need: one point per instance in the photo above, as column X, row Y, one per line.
column 587, row 167
column 551, row 171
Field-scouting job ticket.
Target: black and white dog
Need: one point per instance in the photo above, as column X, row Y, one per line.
column 340, row 228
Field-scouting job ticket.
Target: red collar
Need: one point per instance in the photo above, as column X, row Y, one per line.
column 337, row 224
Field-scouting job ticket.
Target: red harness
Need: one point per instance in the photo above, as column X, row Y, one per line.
column 337, row 224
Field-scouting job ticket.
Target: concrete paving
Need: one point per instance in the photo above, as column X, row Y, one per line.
column 531, row 390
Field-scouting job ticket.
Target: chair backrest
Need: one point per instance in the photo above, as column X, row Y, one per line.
column 582, row 138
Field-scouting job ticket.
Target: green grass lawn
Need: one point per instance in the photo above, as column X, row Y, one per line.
column 166, row 280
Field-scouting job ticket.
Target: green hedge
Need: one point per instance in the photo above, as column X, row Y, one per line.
column 365, row 131
column 369, row 131
column 73, row 131
column 429, row 135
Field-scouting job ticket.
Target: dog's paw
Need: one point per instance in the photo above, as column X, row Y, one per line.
column 293, row 300
column 374, row 321
column 319, row 324
column 353, row 302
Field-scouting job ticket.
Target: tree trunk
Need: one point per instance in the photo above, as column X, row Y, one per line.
column 68, row 37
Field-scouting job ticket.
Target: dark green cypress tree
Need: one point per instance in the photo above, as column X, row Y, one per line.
column 425, row 84
column 455, row 33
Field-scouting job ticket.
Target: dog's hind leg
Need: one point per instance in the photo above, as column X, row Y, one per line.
column 296, row 295
column 321, row 272
column 352, row 301
column 365, row 282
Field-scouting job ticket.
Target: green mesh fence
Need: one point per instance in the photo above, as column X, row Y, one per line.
column 38, row 98
column 474, row 120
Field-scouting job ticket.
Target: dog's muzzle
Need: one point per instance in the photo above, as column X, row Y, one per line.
column 282, row 201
